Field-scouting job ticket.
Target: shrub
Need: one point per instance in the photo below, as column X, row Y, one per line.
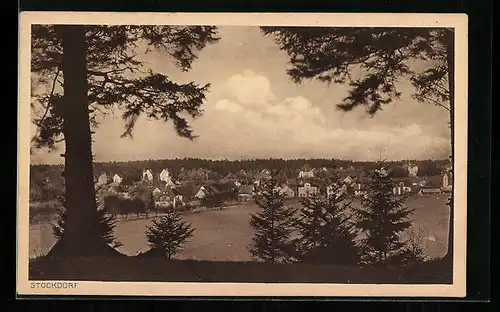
column 415, row 245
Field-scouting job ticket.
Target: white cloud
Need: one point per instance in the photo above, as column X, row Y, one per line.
column 250, row 89
column 294, row 126
column 229, row 106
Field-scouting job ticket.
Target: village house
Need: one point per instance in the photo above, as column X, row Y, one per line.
column 147, row 175
column 165, row 176
column 286, row 191
column 117, row 179
column 447, row 182
column 308, row 190
column 202, row 192
column 348, row 181
column 102, row 179
column 220, row 190
column 401, row 188
column 306, row 173
column 265, row 174
column 412, row 171
column 157, row 191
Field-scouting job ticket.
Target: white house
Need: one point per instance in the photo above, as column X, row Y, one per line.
column 305, row 174
column 308, row 190
column 401, row 188
column 165, row 175
column 202, row 193
column 412, row 171
column 102, row 179
column 156, row 192
column 117, row 179
column 348, row 180
column 447, row 182
column 147, row 175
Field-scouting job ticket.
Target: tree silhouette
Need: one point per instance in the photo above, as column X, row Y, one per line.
column 168, row 234
column 273, row 224
column 371, row 61
column 326, row 234
column 88, row 70
column 382, row 218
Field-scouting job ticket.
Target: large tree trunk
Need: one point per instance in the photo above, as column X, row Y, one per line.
column 81, row 235
column 450, row 56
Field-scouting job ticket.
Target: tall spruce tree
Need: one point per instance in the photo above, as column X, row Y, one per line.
column 86, row 70
column 326, row 233
column 371, row 61
column 273, row 224
column 382, row 217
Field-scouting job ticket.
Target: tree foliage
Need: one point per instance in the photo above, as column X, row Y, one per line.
column 382, row 218
column 168, row 234
column 116, row 76
column 371, row 61
column 273, row 225
column 326, row 234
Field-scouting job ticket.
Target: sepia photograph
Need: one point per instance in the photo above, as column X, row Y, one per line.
column 242, row 154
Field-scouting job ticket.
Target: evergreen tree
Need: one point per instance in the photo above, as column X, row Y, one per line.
column 168, row 234
column 273, row 224
column 325, row 232
column 382, row 217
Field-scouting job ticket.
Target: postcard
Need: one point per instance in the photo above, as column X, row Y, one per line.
column 242, row 154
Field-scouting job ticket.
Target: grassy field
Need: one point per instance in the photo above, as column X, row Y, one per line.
column 224, row 235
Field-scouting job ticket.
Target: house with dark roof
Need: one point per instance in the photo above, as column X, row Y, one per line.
column 286, row 191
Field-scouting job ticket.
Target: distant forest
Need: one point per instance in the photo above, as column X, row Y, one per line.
column 224, row 167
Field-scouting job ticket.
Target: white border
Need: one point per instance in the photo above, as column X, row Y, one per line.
column 457, row 21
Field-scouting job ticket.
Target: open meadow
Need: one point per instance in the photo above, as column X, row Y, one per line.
column 224, row 235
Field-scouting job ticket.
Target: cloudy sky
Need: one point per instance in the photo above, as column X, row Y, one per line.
column 254, row 110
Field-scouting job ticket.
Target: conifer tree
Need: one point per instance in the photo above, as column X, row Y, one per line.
column 325, row 231
column 168, row 234
column 382, row 217
column 273, row 224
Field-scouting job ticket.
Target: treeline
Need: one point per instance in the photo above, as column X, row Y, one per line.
column 223, row 167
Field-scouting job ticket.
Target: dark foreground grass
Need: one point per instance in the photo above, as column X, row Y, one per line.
column 149, row 269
